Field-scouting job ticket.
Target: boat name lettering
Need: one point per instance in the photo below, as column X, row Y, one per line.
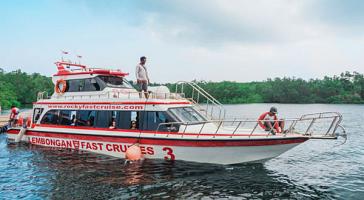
column 96, row 107
column 97, row 146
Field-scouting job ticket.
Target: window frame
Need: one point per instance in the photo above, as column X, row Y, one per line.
column 53, row 110
column 78, row 83
column 125, row 82
column 204, row 119
column 37, row 115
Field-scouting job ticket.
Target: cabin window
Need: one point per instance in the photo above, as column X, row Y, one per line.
column 91, row 85
column 36, row 114
column 73, row 85
column 153, row 121
column 115, row 81
column 187, row 114
column 50, row 117
column 83, row 85
column 133, row 120
column 104, row 119
column 85, row 118
column 128, row 119
column 67, row 117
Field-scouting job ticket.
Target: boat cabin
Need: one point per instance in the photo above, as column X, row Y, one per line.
column 104, row 99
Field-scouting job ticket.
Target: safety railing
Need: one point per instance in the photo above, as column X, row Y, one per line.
column 111, row 95
column 203, row 100
column 315, row 126
column 42, row 95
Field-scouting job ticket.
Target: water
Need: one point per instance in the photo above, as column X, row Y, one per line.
column 314, row 170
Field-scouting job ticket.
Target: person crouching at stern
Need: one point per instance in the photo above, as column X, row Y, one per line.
column 14, row 115
column 142, row 77
column 269, row 121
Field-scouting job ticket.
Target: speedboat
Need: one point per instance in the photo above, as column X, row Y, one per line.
column 98, row 110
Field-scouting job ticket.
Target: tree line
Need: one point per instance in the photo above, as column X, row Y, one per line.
column 344, row 88
column 20, row 89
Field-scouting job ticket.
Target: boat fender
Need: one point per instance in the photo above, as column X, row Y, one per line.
column 20, row 121
column 20, row 134
column 28, row 122
column 133, row 153
column 61, row 86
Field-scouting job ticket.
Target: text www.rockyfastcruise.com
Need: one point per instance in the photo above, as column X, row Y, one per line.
column 97, row 107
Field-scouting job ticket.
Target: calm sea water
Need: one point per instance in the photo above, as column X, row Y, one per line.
column 317, row 169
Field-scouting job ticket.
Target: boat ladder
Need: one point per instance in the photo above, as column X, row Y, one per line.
column 203, row 100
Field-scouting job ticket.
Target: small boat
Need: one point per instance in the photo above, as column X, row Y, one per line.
column 98, row 110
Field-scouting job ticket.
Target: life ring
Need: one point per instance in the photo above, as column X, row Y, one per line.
column 61, row 86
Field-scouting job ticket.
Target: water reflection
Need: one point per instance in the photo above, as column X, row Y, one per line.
column 68, row 174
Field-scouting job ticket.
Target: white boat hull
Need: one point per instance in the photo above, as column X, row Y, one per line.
column 204, row 151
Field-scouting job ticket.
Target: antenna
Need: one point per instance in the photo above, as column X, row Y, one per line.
column 63, row 53
column 79, row 59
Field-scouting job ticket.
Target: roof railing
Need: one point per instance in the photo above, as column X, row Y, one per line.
column 114, row 95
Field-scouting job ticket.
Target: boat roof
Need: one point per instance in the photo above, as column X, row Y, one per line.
column 64, row 69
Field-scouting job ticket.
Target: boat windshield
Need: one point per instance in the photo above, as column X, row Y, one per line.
column 187, row 114
column 115, row 81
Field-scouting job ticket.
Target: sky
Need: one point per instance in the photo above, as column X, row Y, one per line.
column 212, row 40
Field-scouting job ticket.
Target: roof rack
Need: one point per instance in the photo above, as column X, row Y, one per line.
column 83, row 69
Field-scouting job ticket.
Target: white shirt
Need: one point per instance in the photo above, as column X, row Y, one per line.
column 141, row 73
column 269, row 118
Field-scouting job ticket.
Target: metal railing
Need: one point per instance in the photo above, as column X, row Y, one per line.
column 42, row 95
column 203, row 100
column 315, row 126
column 111, row 95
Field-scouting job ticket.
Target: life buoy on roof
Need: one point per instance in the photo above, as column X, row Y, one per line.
column 61, row 86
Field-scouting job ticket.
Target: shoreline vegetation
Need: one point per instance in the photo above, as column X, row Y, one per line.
column 20, row 89
column 346, row 88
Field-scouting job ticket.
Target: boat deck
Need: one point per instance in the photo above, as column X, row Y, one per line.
column 3, row 120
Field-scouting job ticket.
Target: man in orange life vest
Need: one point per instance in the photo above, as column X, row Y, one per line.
column 13, row 118
column 269, row 121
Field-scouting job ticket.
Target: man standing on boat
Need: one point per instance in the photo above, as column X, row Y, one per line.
column 142, row 77
column 13, row 118
column 269, row 121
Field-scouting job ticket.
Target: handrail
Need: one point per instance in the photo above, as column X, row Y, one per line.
column 125, row 95
column 209, row 111
column 42, row 95
column 208, row 94
column 233, row 129
column 200, row 90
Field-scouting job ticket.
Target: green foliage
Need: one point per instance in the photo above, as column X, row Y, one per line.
column 18, row 88
column 346, row 88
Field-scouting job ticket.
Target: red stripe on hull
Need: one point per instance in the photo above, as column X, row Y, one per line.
column 168, row 142
column 144, row 131
column 113, row 103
